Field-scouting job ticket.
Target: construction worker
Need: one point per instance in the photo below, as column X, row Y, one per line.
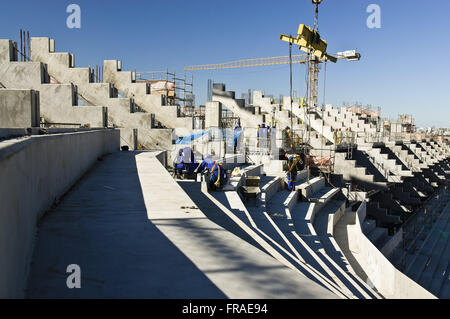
column 237, row 134
column 287, row 142
column 335, row 135
column 263, row 136
column 257, row 135
column 339, row 136
column 217, row 174
column 189, row 160
column 291, row 172
column 272, row 139
column 179, row 164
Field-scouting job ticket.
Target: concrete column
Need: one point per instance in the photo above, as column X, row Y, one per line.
column 213, row 114
column 19, row 108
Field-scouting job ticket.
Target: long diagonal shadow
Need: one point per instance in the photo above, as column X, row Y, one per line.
column 102, row 226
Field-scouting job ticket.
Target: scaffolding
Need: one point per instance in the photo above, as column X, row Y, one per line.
column 177, row 90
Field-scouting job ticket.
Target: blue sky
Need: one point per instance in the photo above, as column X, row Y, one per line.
column 404, row 66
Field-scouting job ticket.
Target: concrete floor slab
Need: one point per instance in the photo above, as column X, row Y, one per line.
column 136, row 234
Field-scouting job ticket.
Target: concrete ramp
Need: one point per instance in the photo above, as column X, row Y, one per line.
column 136, row 234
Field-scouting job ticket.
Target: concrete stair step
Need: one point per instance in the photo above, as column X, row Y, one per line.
column 368, row 225
column 305, row 229
column 422, row 256
column 434, row 261
column 323, row 195
column 307, row 188
column 378, row 236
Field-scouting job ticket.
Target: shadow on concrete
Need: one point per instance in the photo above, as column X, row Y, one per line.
column 102, row 226
column 214, row 213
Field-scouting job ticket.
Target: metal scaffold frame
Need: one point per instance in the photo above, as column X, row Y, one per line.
column 179, row 92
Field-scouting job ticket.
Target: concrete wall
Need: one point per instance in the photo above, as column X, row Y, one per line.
column 58, row 102
column 121, row 111
column 19, row 108
column 389, row 281
column 151, row 103
column 213, row 114
column 35, row 171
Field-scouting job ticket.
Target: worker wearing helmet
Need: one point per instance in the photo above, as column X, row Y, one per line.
column 291, row 172
column 217, row 174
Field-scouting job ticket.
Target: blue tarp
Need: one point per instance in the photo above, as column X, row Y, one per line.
column 189, row 138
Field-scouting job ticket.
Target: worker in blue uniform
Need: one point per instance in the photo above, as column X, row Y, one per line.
column 189, row 160
column 217, row 174
column 237, row 134
column 291, row 172
column 179, row 164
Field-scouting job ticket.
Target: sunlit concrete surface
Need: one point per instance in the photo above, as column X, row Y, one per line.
column 136, row 234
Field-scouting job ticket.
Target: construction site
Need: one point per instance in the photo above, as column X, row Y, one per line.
column 152, row 192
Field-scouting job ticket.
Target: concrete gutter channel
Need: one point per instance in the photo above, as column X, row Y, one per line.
column 36, row 171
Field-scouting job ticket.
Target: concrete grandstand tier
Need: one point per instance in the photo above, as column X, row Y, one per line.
column 352, row 234
column 58, row 102
column 281, row 222
column 19, row 108
column 276, row 113
column 122, row 112
column 249, row 117
column 125, row 82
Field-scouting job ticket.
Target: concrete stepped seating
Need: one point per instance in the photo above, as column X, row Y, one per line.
column 420, row 182
column 368, row 225
column 403, row 170
column 270, row 221
column 426, row 145
column 58, row 103
column 125, row 81
column 378, row 236
column 316, row 123
column 247, row 116
column 443, row 146
column 433, row 179
column 381, row 215
column 363, row 160
column 385, row 166
column 122, row 112
column 369, row 262
column 278, row 225
column 342, row 118
column 408, row 158
column 422, row 154
column 404, row 197
column 357, row 170
column 387, row 201
column 388, row 163
column 429, row 250
column 439, row 255
column 282, row 114
column 309, row 216
column 440, row 150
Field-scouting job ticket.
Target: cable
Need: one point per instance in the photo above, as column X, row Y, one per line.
column 290, row 87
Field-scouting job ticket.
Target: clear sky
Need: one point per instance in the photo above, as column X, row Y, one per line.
column 404, row 67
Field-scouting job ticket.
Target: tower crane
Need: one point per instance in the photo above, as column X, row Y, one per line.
column 309, row 41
